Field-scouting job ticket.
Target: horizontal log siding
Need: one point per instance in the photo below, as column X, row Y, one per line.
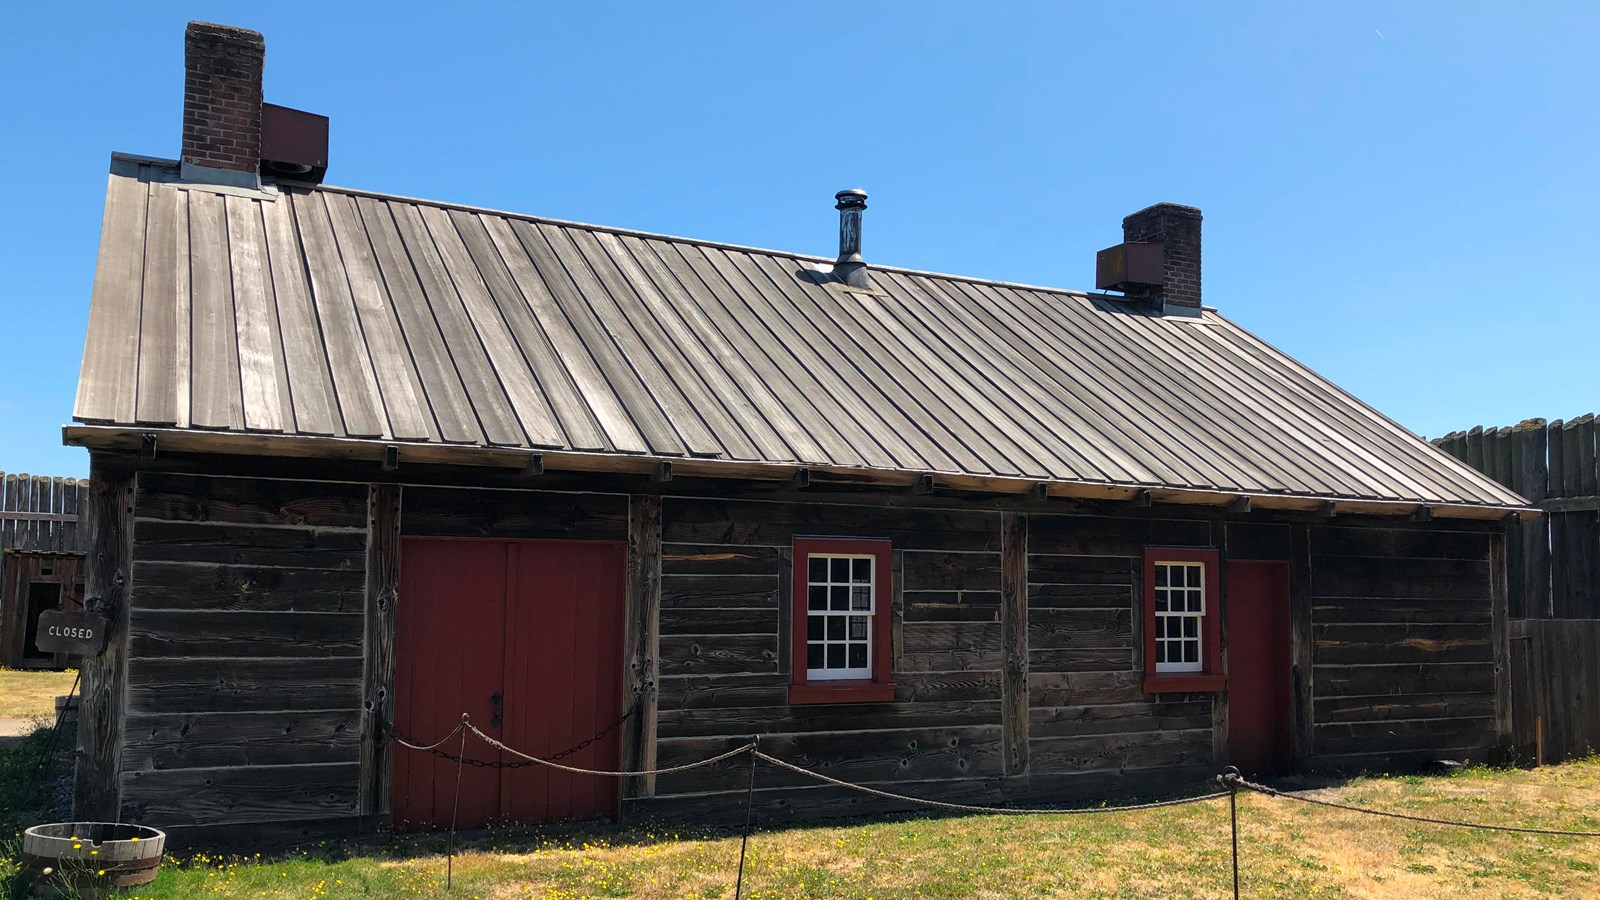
column 245, row 636
column 725, row 659
column 1402, row 652
column 726, row 668
column 1087, row 711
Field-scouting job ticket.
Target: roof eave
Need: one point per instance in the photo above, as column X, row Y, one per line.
column 123, row 439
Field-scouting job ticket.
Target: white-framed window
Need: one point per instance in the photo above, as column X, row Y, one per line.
column 841, row 591
column 1180, row 607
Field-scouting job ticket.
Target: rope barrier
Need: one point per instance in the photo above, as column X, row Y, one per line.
column 601, row 772
column 1262, row 789
column 986, row 810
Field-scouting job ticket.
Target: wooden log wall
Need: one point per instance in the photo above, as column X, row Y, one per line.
column 1404, row 646
column 1555, row 689
column 1554, row 560
column 725, row 659
column 245, row 639
column 251, row 620
column 1088, row 713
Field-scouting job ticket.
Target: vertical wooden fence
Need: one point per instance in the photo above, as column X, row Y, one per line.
column 40, row 513
column 1555, row 688
column 1553, row 582
column 1553, row 559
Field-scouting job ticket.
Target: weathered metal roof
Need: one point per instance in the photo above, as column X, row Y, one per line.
column 337, row 313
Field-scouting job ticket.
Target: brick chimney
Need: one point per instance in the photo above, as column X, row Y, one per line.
column 1177, row 229
column 222, row 104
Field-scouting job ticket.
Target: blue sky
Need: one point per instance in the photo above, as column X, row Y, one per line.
column 1400, row 195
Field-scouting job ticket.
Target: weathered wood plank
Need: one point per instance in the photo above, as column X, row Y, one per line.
column 719, row 591
column 169, row 585
column 708, row 521
column 449, row 512
column 643, row 620
column 952, row 571
column 263, row 382
column 154, row 634
column 952, row 606
column 1059, row 569
column 1085, row 536
column 1067, row 629
column 187, row 741
column 1378, row 737
column 228, row 795
column 1084, row 688
column 1122, row 718
column 304, row 354
column 1086, row 659
column 1499, row 637
column 106, row 392
column 1403, row 678
column 845, row 717
column 1080, row 596
column 722, row 620
column 1302, row 616
column 710, row 559
column 1403, row 706
column 1122, row 752
column 1016, row 635
column 239, row 685
column 355, row 386
column 215, row 389
column 867, row 757
column 385, row 503
column 250, row 501
column 250, row 545
column 1351, row 576
column 723, row 691
column 1364, row 610
column 104, row 699
column 1409, row 543
column 159, row 327
column 1401, row 643
column 718, row 653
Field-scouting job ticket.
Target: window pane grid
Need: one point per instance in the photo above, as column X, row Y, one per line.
column 839, row 608
column 1180, row 606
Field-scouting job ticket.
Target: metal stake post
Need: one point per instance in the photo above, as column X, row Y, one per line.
column 749, row 806
column 1230, row 779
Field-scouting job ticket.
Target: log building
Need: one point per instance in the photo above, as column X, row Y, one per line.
column 362, row 463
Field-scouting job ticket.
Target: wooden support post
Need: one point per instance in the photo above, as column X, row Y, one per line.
column 377, row 678
column 1218, row 606
column 1014, row 642
column 643, row 622
column 1500, row 636
column 107, row 589
column 1533, row 577
column 1300, row 644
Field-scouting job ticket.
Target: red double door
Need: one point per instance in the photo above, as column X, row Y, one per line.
column 526, row 638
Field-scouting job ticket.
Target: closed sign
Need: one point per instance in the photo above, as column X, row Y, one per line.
column 76, row 634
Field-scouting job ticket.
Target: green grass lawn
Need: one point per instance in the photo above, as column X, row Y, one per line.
column 1288, row 849
column 27, row 694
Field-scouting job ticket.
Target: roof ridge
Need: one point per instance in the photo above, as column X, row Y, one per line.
column 635, row 232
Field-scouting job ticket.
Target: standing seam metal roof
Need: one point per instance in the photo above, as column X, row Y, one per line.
column 328, row 312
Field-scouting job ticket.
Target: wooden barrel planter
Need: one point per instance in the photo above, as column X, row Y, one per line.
column 90, row 859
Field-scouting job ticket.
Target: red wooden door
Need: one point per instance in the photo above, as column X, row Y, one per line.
column 1259, row 690
column 526, row 637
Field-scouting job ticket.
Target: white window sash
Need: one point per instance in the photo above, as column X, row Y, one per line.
column 856, row 673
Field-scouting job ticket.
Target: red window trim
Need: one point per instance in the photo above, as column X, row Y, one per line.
column 1210, row 678
column 880, row 689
